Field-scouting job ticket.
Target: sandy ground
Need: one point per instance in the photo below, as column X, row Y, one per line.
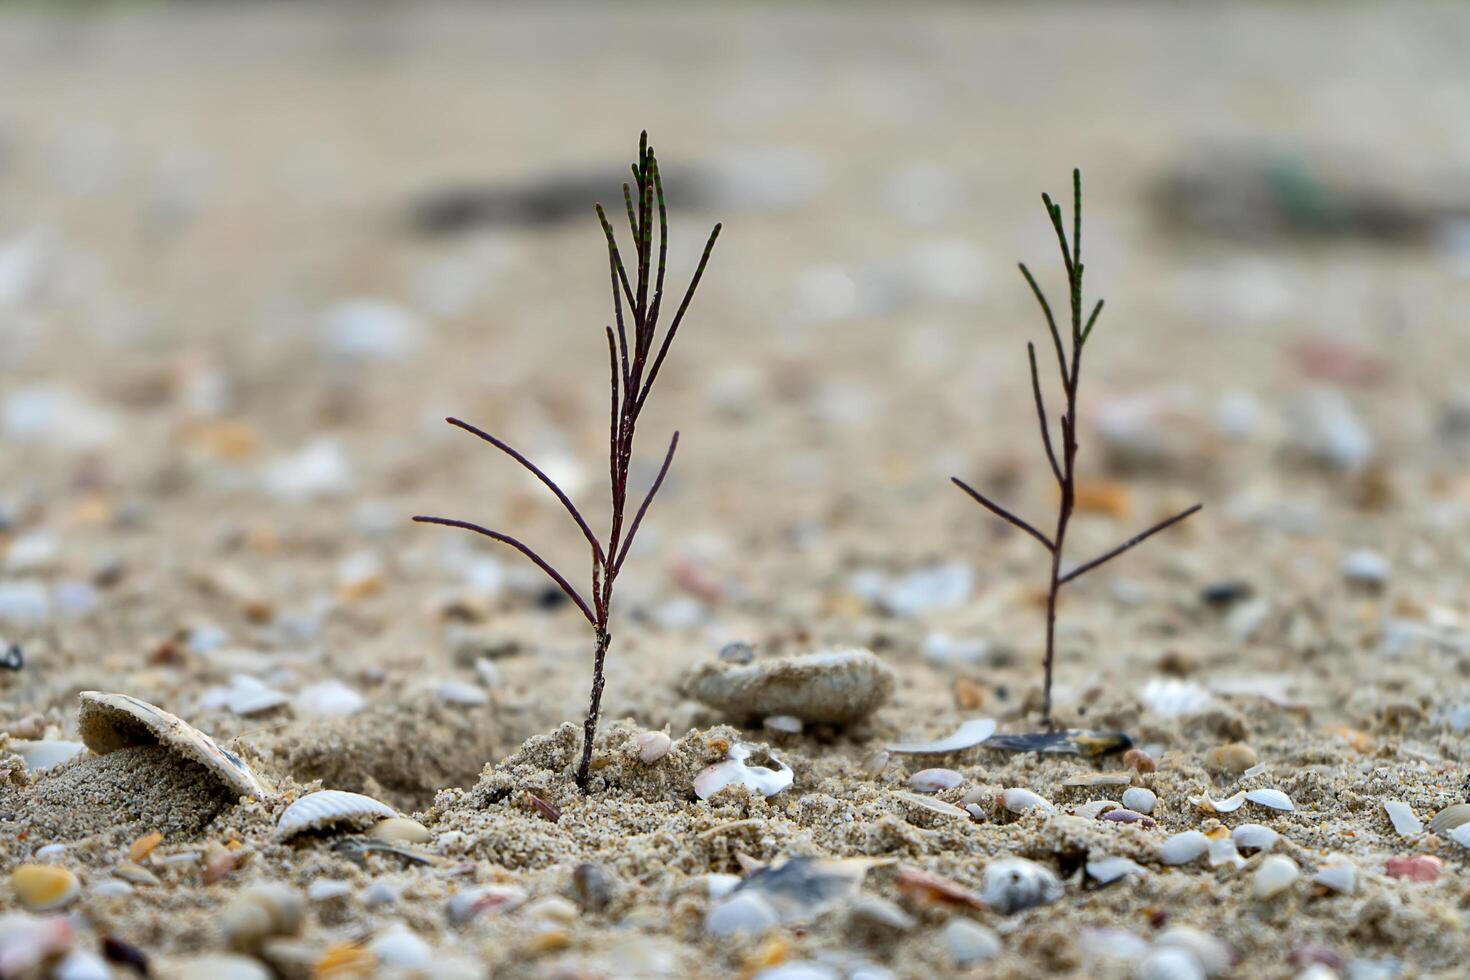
column 208, row 476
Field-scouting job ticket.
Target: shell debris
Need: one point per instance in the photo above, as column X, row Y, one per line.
column 44, row 887
column 969, row 735
column 1013, row 884
column 1402, row 818
column 328, row 808
column 734, row 772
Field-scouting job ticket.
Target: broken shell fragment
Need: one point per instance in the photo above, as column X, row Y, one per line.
column 1107, row 870
column 1228, row 805
column 1184, row 847
column 799, row 889
column 1402, row 818
column 1012, row 884
column 927, row 888
column 1450, row 817
column 466, row 905
column 44, row 754
column 400, row 830
column 834, row 687
column 114, row 721
column 1020, row 800
column 1273, row 798
column 1339, row 874
column 734, row 772
column 934, row 780
column 327, row 808
column 1121, row 815
column 969, row 735
column 1222, row 851
column 44, row 887
column 1275, row 874
column 932, row 805
column 1074, row 741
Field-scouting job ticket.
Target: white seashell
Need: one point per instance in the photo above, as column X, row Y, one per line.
column 1273, row 798
column 787, row 724
column 1109, row 869
column 326, row 889
column 1174, row 698
column 1094, row 809
column 113, row 721
column 460, row 693
column 400, row 830
column 1212, row 954
column 81, row 964
column 225, row 966
column 1338, row 874
column 1450, row 817
column 47, row 852
column 934, row 780
column 1274, row 875
column 398, row 948
column 245, row 696
column 1223, row 851
column 1184, row 847
column 1254, row 837
column 969, row 735
column 1115, row 945
column 1228, row 805
column 332, row 699
column 325, row 808
column 719, row 885
column 734, row 772
column 1012, row 884
column 1140, row 799
column 1254, row 770
column 1403, row 818
column 45, row 753
column 933, row 805
column 968, row 942
column 466, row 905
column 111, row 888
column 652, row 746
column 1019, row 800
column 744, row 911
column 1169, row 963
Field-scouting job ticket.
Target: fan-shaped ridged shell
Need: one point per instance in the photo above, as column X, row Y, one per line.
column 109, row 722
column 329, row 807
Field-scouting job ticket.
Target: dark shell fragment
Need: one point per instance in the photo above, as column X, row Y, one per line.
column 1073, row 741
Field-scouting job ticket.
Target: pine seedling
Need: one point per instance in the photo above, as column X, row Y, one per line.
column 634, row 363
column 1069, row 363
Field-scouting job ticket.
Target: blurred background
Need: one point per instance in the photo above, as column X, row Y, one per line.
column 250, row 254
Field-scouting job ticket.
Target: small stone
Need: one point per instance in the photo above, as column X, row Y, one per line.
column 1233, row 757
column 1012, row 884
column 875, row 762
column 737, row 653
column 968, row 942
column 552, row 908
column 744, row 912
column 786, row 724
column 1107, row 870
column 868, row 911
column 1403, row 819
column 1275, row 874
column 934, row 780
column 332, row 699
column 44, row 754
column 327, row 889
column 370, row 329
column 652, row 746
column 399, row 948
column 43, row 887
column 466, row 905
column 1139, row 799
column 1020, row 800
column 1420, row 867
column 592, row 886
column 1211, row 953
column 1324, row 426
column 400, row 830
column 378, row 894
column 1184, row 847
column 1365, row 568
column 832, row 687
column 1139, row 761
column 926, row 590
column 11, row 656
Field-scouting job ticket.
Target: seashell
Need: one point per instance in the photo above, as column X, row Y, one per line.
column 135, row 874
column 222, row 967
column 1274, row 875
column 260, row 912
column 1074, row 741
column 652, row 746
column 143, row 846
column 1450, row 817
column 327, row 808
column 400, row 830
column 834, row 687
column 787, row 724
column 399, row 948
column 1419, row 867
column 326, row 889
column 927, row 888
column 800, row 889
column 869, row 911
column 111, row 888
column 1402, row 818
column 1232, row 757
column 1169, row 963
column 1461, row 835
column 592, row 886
column 932, row 805
column 1273, row 798
column 1020, row 800
column 114, row 721
column 552, row 908
column 466, row 905
column 1338, row 874
column 734, row 772
column 1121, row 815
column 1184, row 847
column 969, row 943
column 1173, row 698
column 44, row 887
column 1228, row 805
column 344, row 960
column 1222, row 851
column 934, row 780
column 49, row 852
column 1254, row 837
column 1139, row 761
column 1012, row 884
column 1213, row 956
column 719, row 885
column 43, row 754
column 1093, row 810
column 748, row 913
column 969, row 735
column 1097, row 780
column 1107, row 870
column 1139, row 799
column 1254, row 770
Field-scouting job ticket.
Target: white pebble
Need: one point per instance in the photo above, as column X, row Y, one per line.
column 1018, row 800
column 1211, row 953
column 1184, row 847
column 1363, row 567
column 742, row 912
column 969, row 942
column 934, row 780
column 1275, row 874
column 719, row 885
column 1139, row 799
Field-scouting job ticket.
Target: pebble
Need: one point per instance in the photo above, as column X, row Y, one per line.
column 1365, row 568
column 1275, row 874
column 1184, row 847
column 652, row 746
column 1420, row 867
column 1212, row 954
column 593, row 886
column 737, row 652
column 260, row 912
column 718, row 885
column 460, row 693
column 934, row 780
column 331, row 699
column 1020, row 800
column 1139, row 761
column 1139, row 799
column 370, row 329
column 111, row 888
column 744, row 912
column 1233, row 757
column 787, row 724
column 318, row 470
column 1324, row 426
column 24, row 602
column 1338, row 874
column 12, row 657
column 833, row 687
column 400, row 830
column 1403, row 819
column 1254, row 837
column 379, row 893
column 1012, row 884
column 968, row 942
column 327, row 889
column 399, row 948
column 875, row 762
column 552, row 908
column 871, row 910
column 1169, row 963
column 43, row 887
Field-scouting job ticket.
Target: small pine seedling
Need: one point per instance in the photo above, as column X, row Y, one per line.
column 634, row 364
column 1064, row 469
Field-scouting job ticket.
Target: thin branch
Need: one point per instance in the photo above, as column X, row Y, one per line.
column 1051, row 321
column 1077, row 221
column 663, row 240
column 539, row 474
column 540, row 562
column 1051, row 455
column 1087, row 330
column 663, row 350
column 1054, row 212
column 1001, row 512
column 658, row 481
column 1131, row 542
column 617, row 271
